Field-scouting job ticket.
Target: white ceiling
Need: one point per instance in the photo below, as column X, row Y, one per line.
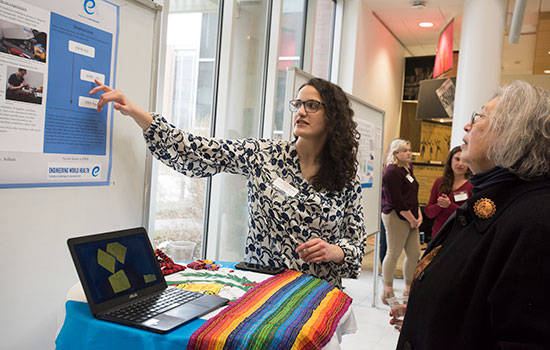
column 402, row 20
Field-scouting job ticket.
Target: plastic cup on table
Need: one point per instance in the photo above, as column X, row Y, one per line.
column 181, row 250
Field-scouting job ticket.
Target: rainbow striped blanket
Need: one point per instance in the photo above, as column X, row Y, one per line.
column 288, row 311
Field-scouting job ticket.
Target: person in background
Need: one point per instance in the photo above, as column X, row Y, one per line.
column 482, row 283
column 16, row 82
column 401, row 216
column 382, row 240
column 304, row 196
column 383, row 243
column 449, row 191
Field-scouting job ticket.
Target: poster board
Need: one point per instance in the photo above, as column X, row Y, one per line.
column 37, row 221
column 50, row 55
column 370, row 123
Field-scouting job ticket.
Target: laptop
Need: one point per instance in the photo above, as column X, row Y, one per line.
column 123, row 283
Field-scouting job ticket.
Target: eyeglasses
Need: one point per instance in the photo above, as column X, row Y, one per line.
column 311, row 106
column 476, row 116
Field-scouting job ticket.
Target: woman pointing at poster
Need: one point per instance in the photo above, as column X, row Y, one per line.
column 304, row 196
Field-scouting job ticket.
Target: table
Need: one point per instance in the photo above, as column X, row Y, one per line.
column 26, row 95
column 82, row 331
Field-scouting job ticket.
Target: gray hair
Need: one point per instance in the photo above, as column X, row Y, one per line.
column 520, row 129
column 396, row 146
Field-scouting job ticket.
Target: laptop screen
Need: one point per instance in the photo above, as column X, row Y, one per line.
column 115, row 267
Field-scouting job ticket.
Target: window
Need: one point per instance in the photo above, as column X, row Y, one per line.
column 189, row 84
column 291, row 45
column 295, row 47
column 187, row 103
column 323, row 38
column 240, row 118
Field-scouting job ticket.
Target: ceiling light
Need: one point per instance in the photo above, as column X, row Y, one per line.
column 549, row 52
column 425, row 24
column 547, row 71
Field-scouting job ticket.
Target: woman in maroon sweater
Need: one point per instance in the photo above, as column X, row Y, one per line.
column 401, row 216
column 449, row 191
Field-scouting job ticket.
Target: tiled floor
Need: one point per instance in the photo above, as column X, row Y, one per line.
column 374, row 331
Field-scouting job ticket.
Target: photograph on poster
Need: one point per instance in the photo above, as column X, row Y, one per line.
column 22, row 41
column 24, row 85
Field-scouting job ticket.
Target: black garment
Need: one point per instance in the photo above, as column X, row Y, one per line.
column 491, row 177
column 487, row 287
column 399, row 191
column 15, row 81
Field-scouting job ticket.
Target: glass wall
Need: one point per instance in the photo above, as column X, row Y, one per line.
column 323, row 36
column 190, row 82
column 291, row 48
column 187, row 103
column 241, row 119
column 292, row 43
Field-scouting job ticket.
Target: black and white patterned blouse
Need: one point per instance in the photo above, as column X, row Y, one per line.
column 277, row 221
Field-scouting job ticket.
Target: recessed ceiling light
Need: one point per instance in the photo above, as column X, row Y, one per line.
column 425, row 24
column 547, row 71
column 549, row 52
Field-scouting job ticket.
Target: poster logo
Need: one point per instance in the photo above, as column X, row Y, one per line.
column 88, row 6
column 95, row 171
column 73, row 171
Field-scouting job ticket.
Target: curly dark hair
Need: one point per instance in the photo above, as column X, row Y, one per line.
column 338, row 158
column 448, row 179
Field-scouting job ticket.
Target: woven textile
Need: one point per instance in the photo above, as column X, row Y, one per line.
column 287, row 311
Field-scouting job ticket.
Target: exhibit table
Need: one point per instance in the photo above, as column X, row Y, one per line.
column 81, row 330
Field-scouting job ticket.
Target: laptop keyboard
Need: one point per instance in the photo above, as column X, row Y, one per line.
column 154, row 305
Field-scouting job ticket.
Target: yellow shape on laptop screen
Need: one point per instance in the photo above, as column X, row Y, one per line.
column 119, row 281
column 106, row 260
column 117, row 250
column 149, row 278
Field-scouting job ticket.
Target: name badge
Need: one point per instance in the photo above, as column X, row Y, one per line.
column 285, row 187
column 410, row 178
column 461, row 196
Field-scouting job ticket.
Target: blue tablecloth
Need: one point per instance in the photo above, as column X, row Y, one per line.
column 82, row 331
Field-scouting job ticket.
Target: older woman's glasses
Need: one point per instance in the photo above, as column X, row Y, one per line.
column 476, row 116
column 311, row 106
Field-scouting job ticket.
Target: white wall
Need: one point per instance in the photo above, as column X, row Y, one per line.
column 372, row 64
column 35, row 266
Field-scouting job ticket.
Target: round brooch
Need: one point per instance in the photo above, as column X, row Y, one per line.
column 485, row 208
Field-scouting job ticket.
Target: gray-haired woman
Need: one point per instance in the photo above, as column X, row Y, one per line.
column 482, row 283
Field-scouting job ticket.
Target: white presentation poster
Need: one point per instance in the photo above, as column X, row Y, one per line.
column 365, row 154
column 50, row 53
